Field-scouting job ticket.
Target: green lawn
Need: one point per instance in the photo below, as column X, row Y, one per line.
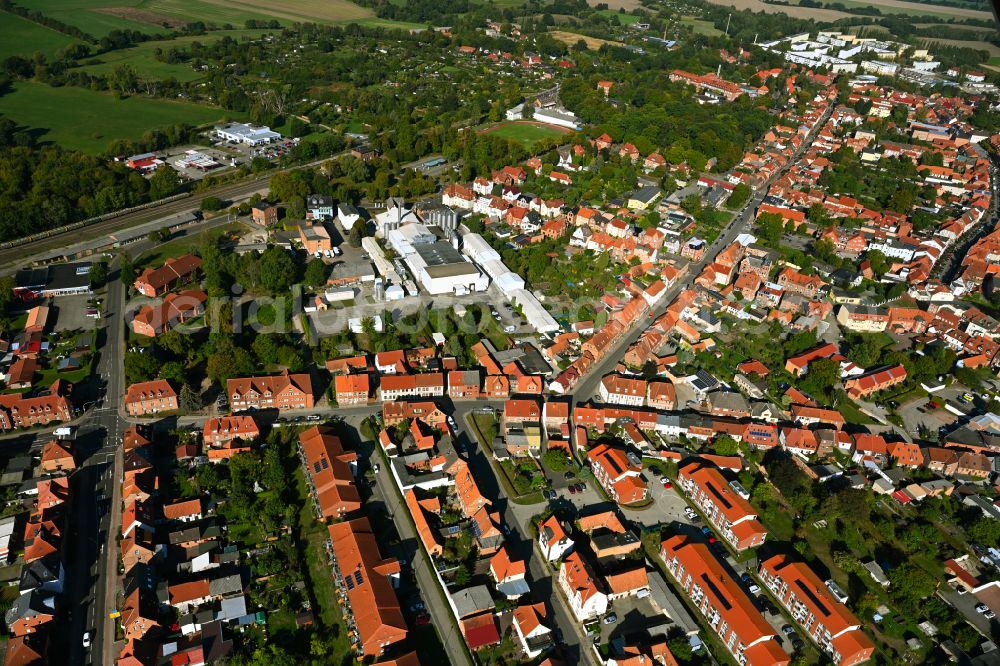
column 142, row 56
column 86, row 120
column 19, row 36
column 701, row 27
column 184, row 245
column 312, row 536
column 525, row 133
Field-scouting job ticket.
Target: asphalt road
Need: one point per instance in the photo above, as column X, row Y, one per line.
column 423, row 569
column 94, row 585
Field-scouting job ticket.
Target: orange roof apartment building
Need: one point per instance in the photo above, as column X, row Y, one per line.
column 157, row 281
column 394, row 413
column 619, row 478
column 618, row 390
column 366, row 580
column 17, row 411
column 57, row 456
column 827, row 621
column 151, row 320
column 463, row 384
column 865, row 385
column 352, row 389
column 732, row 516
column 224, row 429
column 330, row 471
column 145, row 398
column 282, row 391
column 722, row 602
column 427, row 385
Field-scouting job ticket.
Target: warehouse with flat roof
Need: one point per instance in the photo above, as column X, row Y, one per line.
column 55, row 279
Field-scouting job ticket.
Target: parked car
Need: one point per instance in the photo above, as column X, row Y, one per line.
column 788, row 630
column 982, row 608
column 572, row 489
column 423, row 619
column 583, row 486
column 86, row 639
column 610, row 618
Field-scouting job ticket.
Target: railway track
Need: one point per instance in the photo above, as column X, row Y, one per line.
column 22, row 254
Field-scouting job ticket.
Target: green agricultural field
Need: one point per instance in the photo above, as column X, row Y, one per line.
column 86, row 120
column 526, row 133
column 99, row 17
column 623, row 19
column 19, row 36
column 142, row 56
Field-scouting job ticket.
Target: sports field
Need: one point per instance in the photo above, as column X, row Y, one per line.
column 142, row 56
column 87, row 120
column 20, row 36
column 99, row 17
column 525, row 132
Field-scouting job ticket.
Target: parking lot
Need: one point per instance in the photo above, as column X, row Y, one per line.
column 71, row 313
column 915, row 415
column 222, row 156
column 634, row 617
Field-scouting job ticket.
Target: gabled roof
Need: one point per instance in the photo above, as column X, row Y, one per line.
column 580, row 577
column 364, row 577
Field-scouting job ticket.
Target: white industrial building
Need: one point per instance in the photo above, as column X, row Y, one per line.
column 436, row 265
column 510, row 284
column 558, row 116
column 247, row 134
column 382, row 265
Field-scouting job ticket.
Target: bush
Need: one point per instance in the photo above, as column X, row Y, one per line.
column 556, row 460
column 211, row 204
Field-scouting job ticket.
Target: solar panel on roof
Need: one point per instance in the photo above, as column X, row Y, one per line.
column 806, row 590
column 716, row 591
column 325, row 463
column 316, row 467
column 357, row 577
column 349, row 582
column 718, row 495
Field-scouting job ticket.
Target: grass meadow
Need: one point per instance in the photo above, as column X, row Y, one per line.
column 19, row 36
column 86, row 120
